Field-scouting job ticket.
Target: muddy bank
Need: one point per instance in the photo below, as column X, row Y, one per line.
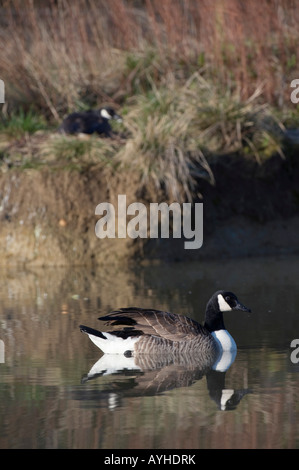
column 48, row 217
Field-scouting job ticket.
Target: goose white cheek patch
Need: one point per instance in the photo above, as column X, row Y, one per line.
column 223, row 305
column 225, row 396
column 105, row 114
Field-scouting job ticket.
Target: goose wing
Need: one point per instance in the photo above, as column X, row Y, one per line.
column 156, row 322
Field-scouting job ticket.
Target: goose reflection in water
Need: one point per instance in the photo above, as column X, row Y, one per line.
column 145, row 375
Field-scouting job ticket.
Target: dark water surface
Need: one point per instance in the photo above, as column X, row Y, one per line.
column 57, row 391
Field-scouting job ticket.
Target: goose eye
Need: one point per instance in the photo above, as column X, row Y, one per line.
column 227, row 298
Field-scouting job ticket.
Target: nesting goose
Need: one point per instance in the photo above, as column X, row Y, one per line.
column 156, row 332
column 89, row 122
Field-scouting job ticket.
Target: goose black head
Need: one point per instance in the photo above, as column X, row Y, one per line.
column 221, row 301
column 228, row 301
column 109, row 113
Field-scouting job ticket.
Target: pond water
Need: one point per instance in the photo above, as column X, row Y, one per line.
column 58, row 391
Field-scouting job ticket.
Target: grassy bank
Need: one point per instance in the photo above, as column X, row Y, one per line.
column 192, row 79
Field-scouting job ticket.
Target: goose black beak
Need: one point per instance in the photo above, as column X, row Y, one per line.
column 242, row 307
column 117, row 118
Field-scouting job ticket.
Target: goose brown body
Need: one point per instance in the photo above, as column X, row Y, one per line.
column 161, row 332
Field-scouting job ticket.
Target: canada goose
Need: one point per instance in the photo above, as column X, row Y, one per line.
column 156, row 332
column 88, row 122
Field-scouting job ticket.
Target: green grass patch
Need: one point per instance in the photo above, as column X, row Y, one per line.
column 20, row 122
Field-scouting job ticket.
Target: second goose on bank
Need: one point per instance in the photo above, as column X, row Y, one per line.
column 156, row 332
column 90, row 122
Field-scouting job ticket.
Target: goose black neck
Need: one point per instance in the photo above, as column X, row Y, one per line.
column 213, row 319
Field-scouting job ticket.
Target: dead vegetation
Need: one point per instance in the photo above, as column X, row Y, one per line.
column 192, row 78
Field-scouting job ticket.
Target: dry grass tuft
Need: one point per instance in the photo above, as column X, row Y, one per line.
column 175, row 129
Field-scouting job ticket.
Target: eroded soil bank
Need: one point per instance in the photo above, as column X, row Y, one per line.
column 48, row 216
